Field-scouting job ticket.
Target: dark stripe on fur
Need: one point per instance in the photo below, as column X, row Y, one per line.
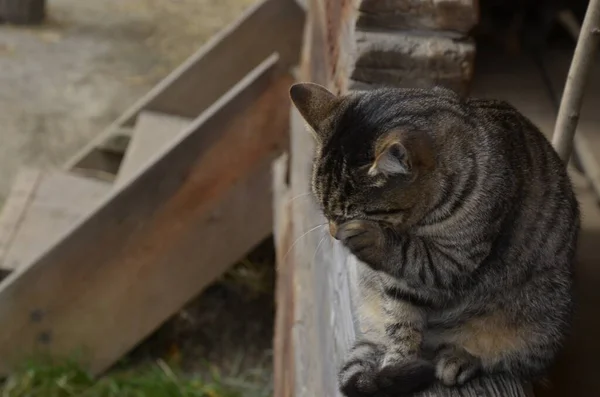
column 405, row 296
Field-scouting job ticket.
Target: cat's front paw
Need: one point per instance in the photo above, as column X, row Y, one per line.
column 405, row 377
column 367, row 374
column 358, row 376
column 455, row 366
column 365, row 239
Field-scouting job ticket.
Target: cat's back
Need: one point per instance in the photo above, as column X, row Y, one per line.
column 544, row 220
column 519, row 140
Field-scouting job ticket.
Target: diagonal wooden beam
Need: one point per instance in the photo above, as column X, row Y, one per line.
column 158, row 240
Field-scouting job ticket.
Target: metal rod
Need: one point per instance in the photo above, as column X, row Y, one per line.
column 572, row 98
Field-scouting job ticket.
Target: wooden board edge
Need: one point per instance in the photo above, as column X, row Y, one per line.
column 283, row 349
column 146, row 137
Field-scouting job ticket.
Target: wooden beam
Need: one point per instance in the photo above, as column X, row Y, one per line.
column 55, row 202
column 159, row 240
column 153, row 132
column 268, row 26
column 458, row 16
column 412, row 60
column 15, row 207
column 284, row 294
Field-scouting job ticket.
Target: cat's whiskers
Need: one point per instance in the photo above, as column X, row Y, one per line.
column 298, row 196
column 300, row 237
column 319, row 245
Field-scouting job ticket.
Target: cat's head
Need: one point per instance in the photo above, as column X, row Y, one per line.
column 375, row 152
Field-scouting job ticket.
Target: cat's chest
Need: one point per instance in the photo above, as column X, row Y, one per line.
column 375, row 293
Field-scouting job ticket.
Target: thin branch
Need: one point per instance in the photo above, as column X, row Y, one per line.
column 581, row 65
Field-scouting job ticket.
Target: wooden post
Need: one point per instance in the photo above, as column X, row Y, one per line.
column 583, row 59
column 348, row 45
column 22, row 11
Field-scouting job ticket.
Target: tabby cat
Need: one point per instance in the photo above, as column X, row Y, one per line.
column 465, row 223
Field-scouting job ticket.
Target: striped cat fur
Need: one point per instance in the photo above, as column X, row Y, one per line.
column 465, row 223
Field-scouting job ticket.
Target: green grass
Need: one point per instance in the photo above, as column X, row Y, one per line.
column 68, row 380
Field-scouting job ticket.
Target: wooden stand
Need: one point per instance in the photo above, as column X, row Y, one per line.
column 353, row 44
column 22, row 12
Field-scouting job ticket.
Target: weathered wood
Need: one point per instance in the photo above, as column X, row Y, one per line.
column 158, row 241
column 153, row 133
column 13, row 210
column 411, row 60
column 22, row 11
column 356, row 56
column 267, row 27
column 52, row 203
column 284, row 294
column 448, row 15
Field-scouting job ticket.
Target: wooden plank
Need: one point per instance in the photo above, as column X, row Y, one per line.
column 412, row 60
column 158, row 241
column 450, row 15
column 153, row 132
column 15, row 207
column 283, row 355
column 52, row 204
column 267, row 27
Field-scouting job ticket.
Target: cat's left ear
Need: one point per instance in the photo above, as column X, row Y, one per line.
column 391, row 158
column 315, row 103
column 402, row 153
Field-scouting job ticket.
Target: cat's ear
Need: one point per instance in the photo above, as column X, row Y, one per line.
column 401, row 152
column 315, row 103
column 391, row 158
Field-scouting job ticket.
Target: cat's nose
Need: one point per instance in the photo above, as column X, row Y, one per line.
column 333, row 229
